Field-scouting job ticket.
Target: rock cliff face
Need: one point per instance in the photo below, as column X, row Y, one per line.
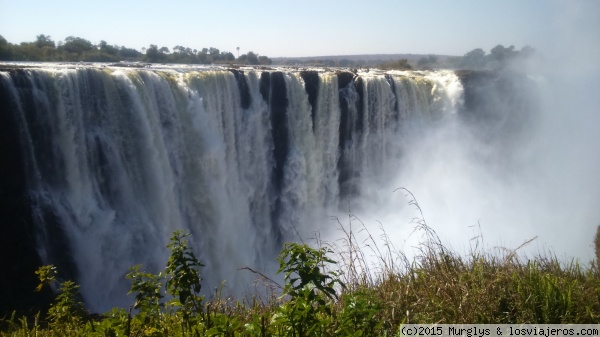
column 18, row 254
column 501, row 105
column 101, row 164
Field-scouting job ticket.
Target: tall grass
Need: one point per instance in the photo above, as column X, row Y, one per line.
column 441, row 286
column 363, row 288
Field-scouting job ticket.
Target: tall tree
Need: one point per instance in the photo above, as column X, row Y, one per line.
column 77, row 45
column 42, row 41
column 474, row 59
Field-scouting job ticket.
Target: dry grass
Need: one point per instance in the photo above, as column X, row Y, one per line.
column 440, row 286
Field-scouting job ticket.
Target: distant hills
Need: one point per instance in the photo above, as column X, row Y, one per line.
column 362, row 57
column 396, row 61
column 497, row 58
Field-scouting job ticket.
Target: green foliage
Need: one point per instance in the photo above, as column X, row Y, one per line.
column 66, row 312
column 303, row 315
column 597, row 245
column 310, row 287
column 359, row 315
column 42, row 41
column 498, row 58
column 254, row 59
column 438, row 286
column 113, row 323
column 147, row 288
column 401, row 64
column 183, row 281
column 75, row 49
column 475, row 59
column 183, row 272
column 5, row 49
column 152, row 53
column 66, row 309
column 303, row 268
column 46, row 275
column 76, row 45
column 224, row 325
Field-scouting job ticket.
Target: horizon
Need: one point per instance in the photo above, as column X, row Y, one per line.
column 310, row 29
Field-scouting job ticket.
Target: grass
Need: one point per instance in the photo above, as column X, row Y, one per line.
column 350, row 297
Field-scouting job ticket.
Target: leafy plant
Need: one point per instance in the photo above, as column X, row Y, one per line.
column 183, row 272
column 359, row 314
column 66, row 312
column 224, row 325
column 183, row 278
column 310, row 287
column 148, row 290
column 46, row 275
column 304, row 266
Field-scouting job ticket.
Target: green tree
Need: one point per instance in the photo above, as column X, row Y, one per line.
column 227, row 56
column 474, row 59
column 5, row 49
column 164, row 50
column 77, row 45
column 250, row 58
column 152, row 54
column 79, row 49
column 42, row 41
column 129, row 54
column 104, row 47
column 264, row 60
column 214, row 51
column 499, row 56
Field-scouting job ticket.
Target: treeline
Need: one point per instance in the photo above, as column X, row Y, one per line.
column 477, row 59
column 498, row 58
column 401, row 63
column 76, row 49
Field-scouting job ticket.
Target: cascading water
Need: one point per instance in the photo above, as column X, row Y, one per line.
column 116, row 159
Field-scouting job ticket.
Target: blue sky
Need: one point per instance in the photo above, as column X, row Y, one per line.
column 303, row 28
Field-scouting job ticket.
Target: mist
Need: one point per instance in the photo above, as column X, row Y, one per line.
column 494, row 184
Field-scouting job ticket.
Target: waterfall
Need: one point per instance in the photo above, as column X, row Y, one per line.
column 116, row 159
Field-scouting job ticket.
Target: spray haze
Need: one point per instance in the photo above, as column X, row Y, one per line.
column 523, row 165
